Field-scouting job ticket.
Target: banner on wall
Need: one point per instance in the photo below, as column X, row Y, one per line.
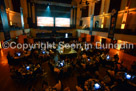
column 113, row 20
column 91, row 24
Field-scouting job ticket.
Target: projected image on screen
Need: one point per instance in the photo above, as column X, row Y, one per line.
column 62, row 22
column 45, row 21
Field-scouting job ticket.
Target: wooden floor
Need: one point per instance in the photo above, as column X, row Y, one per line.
column 7, row 84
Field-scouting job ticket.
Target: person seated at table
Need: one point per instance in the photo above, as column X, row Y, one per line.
column 10, row 58
column 18, row 74
column 121, row 67
column 98, row 53
column 45, row 86
column 25, row 51
column 38, row 69
column 84, row 60
column 88, row 75
column 109, row 77
column 67, row 89
column 66, row 59
column 116, row 57
column 78, row 88
column 31, row 88
column 97, row 59
column 94, row 57
column 103, row 56
column 56, row 69
column 58, row 86
column 116, row 85
column 12, row 68
column 16, row 54
column 133, row 68
column 35, row 53
column 38, row 66
column 78, row 63
column 84, row 55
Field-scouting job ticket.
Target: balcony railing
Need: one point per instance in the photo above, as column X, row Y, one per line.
column 118, row 31
column 125, row 31
column 100, row 29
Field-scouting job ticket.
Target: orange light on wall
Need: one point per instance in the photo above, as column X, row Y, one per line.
column 82, row 35
column 4, row 59
column 125, row 17
column 120, row 43
column 80, row 39
column 117, row 52
column 102, row 19
column 0, row 45
column 88, row 38
column 123, row 26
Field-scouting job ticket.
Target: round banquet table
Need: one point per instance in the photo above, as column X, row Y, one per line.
column 89, row 85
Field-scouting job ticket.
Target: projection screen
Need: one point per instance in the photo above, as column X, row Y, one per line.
column 45, row 21
column 62, row 22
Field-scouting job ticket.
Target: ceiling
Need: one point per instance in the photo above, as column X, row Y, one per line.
column 58, row 1
column 67, row 2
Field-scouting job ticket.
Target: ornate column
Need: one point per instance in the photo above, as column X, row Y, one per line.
column 79, row 12
column 4, row 20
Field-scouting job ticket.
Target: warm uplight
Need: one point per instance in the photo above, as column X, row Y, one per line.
column 11, row 23
column 120, row 42
column 126, row 7
column 122, row 26
column 100, row 40
column 101, row 25
column 119, row 46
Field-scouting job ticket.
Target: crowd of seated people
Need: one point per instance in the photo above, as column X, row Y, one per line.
column 93, row 65
column 27, row 68
column 100, row 58
column 88, row 63
column 25, row 72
